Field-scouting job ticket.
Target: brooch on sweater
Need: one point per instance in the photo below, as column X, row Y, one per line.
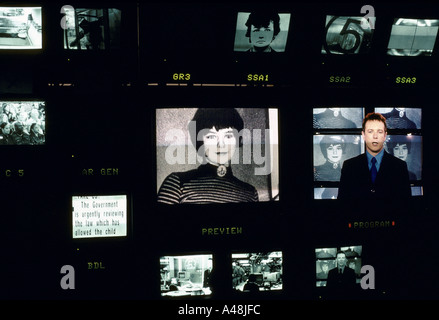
column 221, row 171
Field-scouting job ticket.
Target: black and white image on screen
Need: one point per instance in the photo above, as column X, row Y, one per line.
column 21, row 28
column 186, row 275
column 22, row 123
column 94, row 29
column 409, row 149
column 256, row 272
column 330, row 151
column 325, row 193
column 412, row 37
column 337, row 118
column 331, row 264
column 401, row 117
column 262, row 31
column 217, row 155
column 346, row 35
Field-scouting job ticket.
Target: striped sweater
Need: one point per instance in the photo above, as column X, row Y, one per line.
column 203, row 185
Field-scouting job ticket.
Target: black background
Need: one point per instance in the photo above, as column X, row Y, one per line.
column 100, row 114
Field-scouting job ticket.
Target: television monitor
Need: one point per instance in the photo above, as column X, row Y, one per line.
column 409, row 149
column 329, row 260
column 102, row 216
column 325, row 193
column 21, row 28
column 402, row 118
column 412, row 37
column 186, row 275
column 337, row 118
column 92, row 29
column 22, row 122
column 347, row 35
column 330, row 151
column 217, row 155
column 256, row 272
column 261, row 31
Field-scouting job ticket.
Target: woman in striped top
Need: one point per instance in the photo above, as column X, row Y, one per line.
column 212, row 182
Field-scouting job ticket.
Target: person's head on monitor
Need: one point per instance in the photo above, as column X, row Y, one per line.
column 332, row 148
column 341, row 259
column 399, row 147
column 262, row 28
column 374, row 132
column 217, row 134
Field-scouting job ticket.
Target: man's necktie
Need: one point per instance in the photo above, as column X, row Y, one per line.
column 373, row 170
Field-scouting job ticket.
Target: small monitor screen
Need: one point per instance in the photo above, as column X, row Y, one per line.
column 337, row 118
column 330, row 151
column 186, row 275
column 92, row 29
column 338, row 267
column 412, row 37
column 22, row 123
column 409, row 149
column 325, row 193
column 347, row 35
column 217, row 155
column 265, row 31
column 402, row 118
column 20, row 28
column 99, row 216
column 256, row 272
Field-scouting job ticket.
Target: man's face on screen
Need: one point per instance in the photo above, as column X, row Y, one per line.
column 219, row 145
column 262, row 36
column 341, row 260
column 374, row 135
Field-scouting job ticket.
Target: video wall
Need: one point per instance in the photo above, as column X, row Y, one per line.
column 214, row 151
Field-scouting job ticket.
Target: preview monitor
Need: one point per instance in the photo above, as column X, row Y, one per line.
column 102, row 216
column 186, row 275
column 261, row 31
column 330, row 151
column 347, row 35
column 257, row 271
column 412, row 37
column 21, row 28
column 22, row 122
column 337, row 118
column 338, row 268
column 402, row 118
column 92, row 29
column 217, row 155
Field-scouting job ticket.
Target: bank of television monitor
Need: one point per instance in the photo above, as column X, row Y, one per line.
column 186, row 275
column 102, row 216
column 217, row 155
column 412, row 37
column 331, row 262
column 21, row 28
column 92, row 29
column 22, row 122
column 348, row 35
column 262, row 31
column 257, row 271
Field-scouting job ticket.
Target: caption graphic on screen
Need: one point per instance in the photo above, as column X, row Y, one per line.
column 99, row 216
column 186, row 275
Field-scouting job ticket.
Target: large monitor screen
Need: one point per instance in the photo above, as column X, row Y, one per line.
column 92, row 29
column 338, row 268
column 100, row 216
column 21, row 28
column 337, row 118
column 186, row 275
column 412, row 37
column 347, row 35
column 330, row 151
column 217, row 155
column 401, row 117
column 261, row 31
column 22, row 123
column 256, row 272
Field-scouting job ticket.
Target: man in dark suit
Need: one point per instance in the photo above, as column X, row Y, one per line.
column 342, row 278
column 374, row 174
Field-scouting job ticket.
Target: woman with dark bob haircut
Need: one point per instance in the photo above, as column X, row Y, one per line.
column 213, row 181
